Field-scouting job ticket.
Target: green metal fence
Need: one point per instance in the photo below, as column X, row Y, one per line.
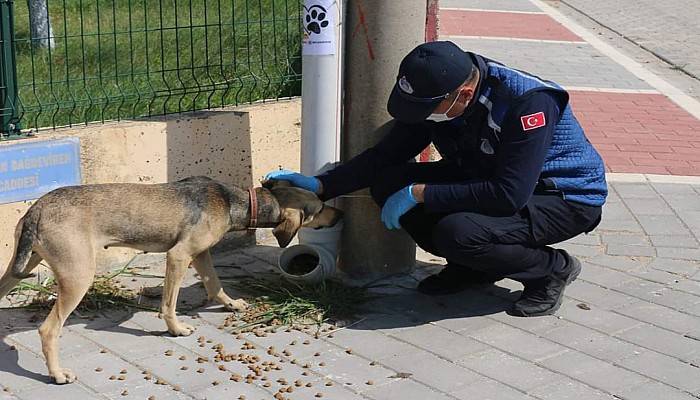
column 119, row 59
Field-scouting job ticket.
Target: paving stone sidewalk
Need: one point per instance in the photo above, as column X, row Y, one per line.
column 629, row 329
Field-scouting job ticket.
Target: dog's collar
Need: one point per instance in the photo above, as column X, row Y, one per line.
column 253, row 209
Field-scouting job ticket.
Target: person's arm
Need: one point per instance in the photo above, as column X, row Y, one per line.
column 521, row 155
column 403, row 142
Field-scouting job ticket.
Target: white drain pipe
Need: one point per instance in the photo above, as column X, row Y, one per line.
column 321, row 85
column 321, row 119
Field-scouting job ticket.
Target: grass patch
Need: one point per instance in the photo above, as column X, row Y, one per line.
column 105, row 293
column 119, row 59
column 280, row 302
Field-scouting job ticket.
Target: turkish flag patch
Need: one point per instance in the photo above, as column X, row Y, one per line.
column 533, row 121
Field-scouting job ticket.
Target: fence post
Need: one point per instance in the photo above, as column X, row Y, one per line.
column 9, row 104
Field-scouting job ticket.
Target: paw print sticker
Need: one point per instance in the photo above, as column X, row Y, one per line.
column 316, row 19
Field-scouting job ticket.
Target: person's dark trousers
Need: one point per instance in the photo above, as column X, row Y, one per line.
column 515, row 246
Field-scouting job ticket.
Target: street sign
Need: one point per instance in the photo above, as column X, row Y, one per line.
column 29, row 170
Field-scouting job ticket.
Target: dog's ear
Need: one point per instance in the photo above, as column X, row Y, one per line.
column 290, row 223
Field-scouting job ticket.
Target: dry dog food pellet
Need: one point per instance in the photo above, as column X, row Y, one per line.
column 168, row 353
column 241, row 397
column 123, row 371
column 184, row 368
column 103, row 351
column 319, row 395
column 321, row 364
column 112, row 378
column 182, row 358
column 125, row 392
column 349, row 351
column 329, row 383
column 151, row 397
column 373, row 363
column 176, row 388
column 160, row 382
column 200, row 371
column 216, row 383
column 307, row 342
column 98, row 369
column 309, row 384
column 316, row 354
column 370, row 382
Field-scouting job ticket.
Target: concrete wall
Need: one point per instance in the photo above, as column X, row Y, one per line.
column 236, row 146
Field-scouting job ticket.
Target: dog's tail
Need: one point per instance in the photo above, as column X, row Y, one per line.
column 20, row 266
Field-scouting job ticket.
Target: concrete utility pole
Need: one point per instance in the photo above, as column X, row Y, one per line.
column 379, row 34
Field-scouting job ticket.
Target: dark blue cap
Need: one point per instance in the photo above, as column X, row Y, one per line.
column 427, row 75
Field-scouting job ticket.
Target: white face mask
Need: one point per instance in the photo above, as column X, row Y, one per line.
column 443, row 117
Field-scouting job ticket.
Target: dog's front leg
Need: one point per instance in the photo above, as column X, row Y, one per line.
column 205, row 268
column 177, row 262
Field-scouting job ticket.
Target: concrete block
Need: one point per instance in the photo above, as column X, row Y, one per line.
column 635, row 191
column 489, row 389
column 663, row 341
column 371, row 344
column 63, row 392
column 600, row 320
column 679, row 253
column 405, row 390
column 666, row 369
column 438, row 340
column 662, row 225
column 21, row 370
column 592, row 343
column 661, row 316
column 651, row 206
column 629, row 239
column 593, row 372
column 349, row 370
column 615, row 249
column 602, row 276
column 620, row 263
column 686, row 241
column 508, row 369
column 450, row 377
column 569, row 389
column 515, row 341
column 654, row 391
column 678, row 267
column 596, row 295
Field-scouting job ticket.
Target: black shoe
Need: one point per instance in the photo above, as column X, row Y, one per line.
column 544, row 296
column 454, row 279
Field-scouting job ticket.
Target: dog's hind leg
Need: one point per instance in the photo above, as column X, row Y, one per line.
column 205, row 268
column 73, row 278
column 177, row 262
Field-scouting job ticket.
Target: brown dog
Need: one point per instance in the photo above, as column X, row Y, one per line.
column 67, row 226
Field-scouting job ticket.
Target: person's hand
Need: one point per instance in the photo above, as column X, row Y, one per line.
column 296, row 179
column 397, row 205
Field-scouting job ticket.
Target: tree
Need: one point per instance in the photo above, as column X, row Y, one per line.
column 40, row 25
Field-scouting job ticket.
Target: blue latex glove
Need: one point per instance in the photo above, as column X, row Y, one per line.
column 296, row 179
column 397, row 205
